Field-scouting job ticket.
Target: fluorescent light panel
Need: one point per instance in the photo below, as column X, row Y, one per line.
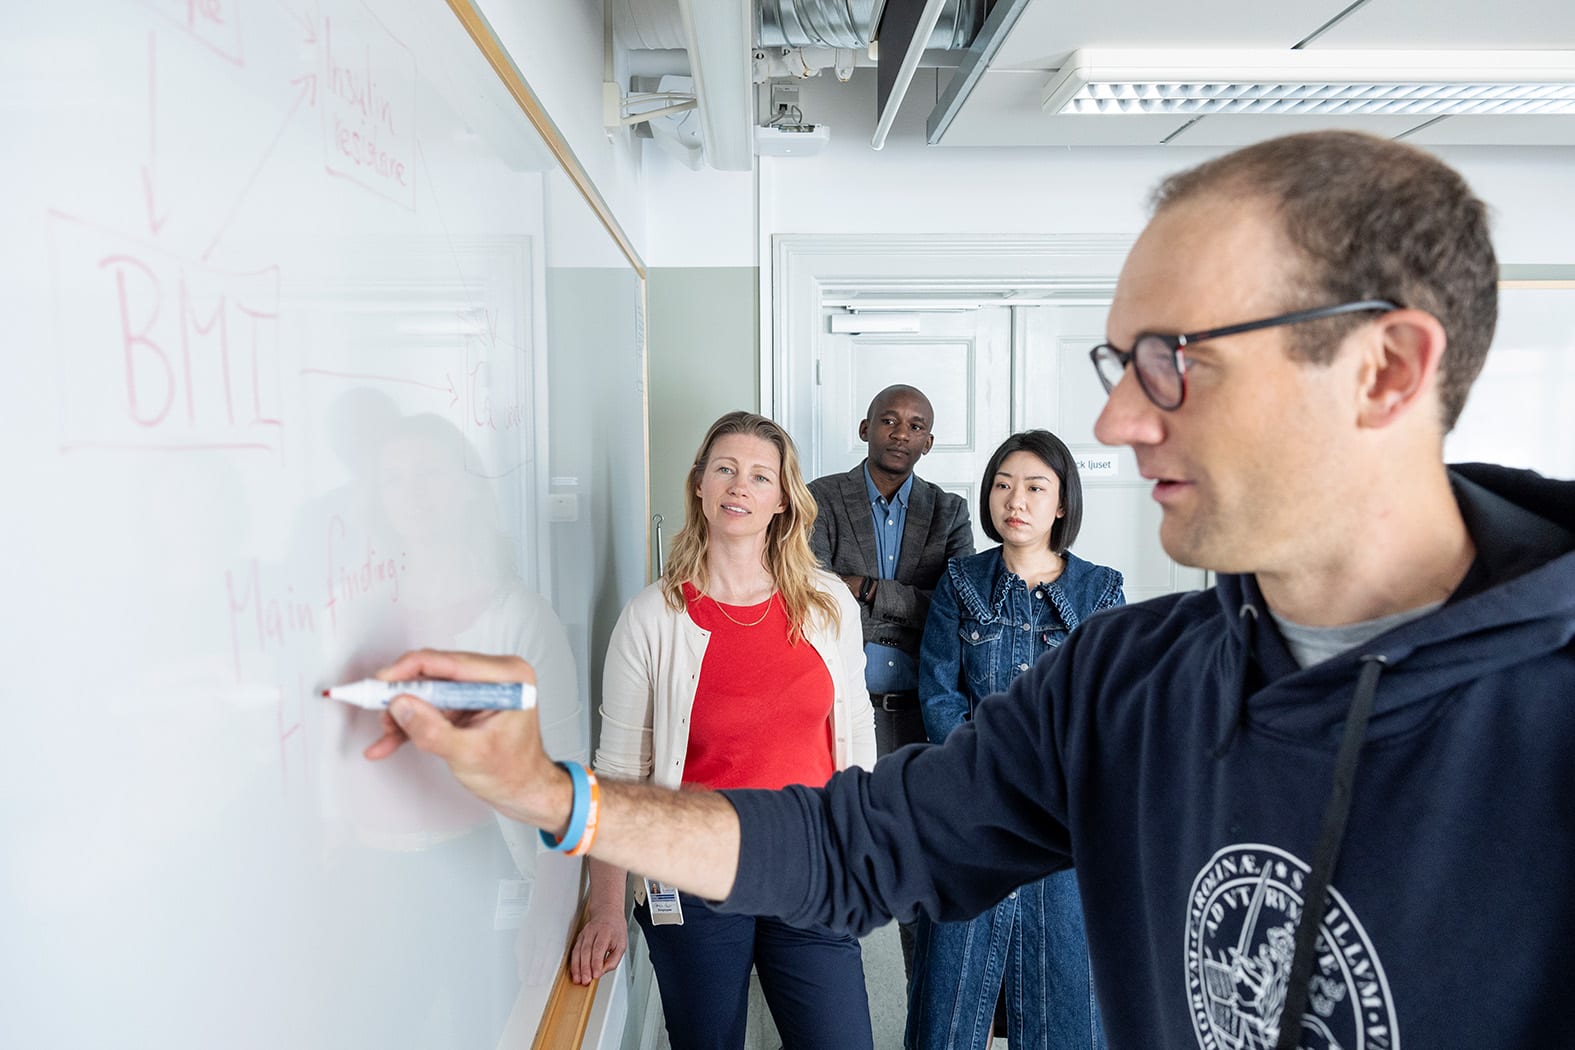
column 1349, row 83
column 1408, row 99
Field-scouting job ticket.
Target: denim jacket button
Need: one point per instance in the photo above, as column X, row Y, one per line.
column 1022, row 667
column 1027, row 626
column 1013, row 895
column 976, row 636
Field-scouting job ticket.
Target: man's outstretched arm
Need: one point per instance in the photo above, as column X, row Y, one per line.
column 689, row 839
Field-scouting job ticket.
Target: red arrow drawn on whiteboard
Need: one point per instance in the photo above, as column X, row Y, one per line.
column 307, row 24
column 155, row 223
column 310, row 80
column 300, row 97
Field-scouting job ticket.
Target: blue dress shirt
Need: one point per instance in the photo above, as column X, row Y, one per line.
column 887, row 669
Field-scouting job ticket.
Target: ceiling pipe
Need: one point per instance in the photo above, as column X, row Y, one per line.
column 721, row 54
column 910, row 62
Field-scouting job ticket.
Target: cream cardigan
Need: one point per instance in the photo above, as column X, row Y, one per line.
column 653, row 667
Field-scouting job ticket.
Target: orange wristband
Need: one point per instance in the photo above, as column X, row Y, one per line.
column 592, row 815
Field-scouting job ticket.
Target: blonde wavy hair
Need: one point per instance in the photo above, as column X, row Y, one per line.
column 788, row 558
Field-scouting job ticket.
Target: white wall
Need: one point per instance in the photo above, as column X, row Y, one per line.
column 700, row 218
column 558, row 47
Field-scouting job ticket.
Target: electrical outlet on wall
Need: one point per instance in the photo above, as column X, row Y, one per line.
column 563, row 507
column 784, row 104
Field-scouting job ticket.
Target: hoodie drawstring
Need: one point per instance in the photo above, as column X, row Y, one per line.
column 1249, row 618
column 1330, row 836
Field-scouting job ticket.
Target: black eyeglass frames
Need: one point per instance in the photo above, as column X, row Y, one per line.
column 1161, row 368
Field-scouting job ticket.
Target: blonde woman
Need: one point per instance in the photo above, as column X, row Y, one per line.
column 742, row 667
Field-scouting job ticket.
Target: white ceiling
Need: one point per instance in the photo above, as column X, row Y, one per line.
column 1003, row 107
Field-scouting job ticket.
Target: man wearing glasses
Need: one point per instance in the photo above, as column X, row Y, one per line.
column 1330, row 801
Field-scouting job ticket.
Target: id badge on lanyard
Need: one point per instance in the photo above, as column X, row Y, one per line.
column 662, row 899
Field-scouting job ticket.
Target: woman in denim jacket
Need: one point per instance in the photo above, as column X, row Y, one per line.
column 992, row 616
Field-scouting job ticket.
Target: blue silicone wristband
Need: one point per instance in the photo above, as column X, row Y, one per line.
column 577, row 814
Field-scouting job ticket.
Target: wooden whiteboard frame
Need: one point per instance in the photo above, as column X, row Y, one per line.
column 568, row 1011
column 497, row 56
column 502, row 64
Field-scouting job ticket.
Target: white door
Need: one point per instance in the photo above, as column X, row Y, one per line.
column 990, row 372
column 961, row 360
column 1058, row 391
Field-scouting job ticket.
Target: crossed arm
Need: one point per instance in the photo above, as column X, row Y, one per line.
column 892, row 601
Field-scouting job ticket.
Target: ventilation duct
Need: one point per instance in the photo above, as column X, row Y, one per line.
column 641, row 25
column 722, row 38
column 817, row 23
column 659, row 24
column 856, row 23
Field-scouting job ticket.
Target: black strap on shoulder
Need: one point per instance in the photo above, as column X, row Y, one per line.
column 1336, row 812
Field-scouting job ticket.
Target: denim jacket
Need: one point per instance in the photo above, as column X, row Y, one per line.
column 986, row 627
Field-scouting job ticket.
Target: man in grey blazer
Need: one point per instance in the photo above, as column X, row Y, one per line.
column 889, row 535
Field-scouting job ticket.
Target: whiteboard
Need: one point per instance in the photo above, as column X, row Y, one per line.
column 294, row 296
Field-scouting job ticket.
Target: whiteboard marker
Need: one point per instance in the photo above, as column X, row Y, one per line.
column 454, row 696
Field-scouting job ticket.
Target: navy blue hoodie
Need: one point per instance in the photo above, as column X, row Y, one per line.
column 1177, row 752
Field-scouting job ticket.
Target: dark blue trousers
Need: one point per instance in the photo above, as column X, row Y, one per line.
column 813, row 980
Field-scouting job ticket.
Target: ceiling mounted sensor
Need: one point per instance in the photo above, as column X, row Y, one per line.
column 787, row 133
column 1424, row 84
column 797, row 140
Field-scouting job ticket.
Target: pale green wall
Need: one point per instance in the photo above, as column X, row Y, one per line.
column 702, row 337
column 595, row 456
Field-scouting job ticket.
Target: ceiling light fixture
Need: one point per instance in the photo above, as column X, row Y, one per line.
column 1313, row 82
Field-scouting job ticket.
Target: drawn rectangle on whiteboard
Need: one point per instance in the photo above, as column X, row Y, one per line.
column 369, row 108
column 172, row 354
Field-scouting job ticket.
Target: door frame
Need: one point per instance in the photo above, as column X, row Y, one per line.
column 807, row 269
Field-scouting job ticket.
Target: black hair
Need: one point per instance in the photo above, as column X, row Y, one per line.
column 1053, row 451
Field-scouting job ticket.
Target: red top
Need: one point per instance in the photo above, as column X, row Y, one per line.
column 762, row 712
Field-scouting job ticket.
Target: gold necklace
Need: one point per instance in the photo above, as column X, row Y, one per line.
column 723, row 610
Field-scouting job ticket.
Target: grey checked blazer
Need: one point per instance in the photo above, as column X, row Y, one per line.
column 937, row 530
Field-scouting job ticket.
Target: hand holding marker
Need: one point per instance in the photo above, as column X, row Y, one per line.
column 375, row 695
column 495, row 752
